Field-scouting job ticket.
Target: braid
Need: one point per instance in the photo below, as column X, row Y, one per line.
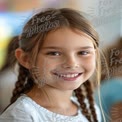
column 89, row 93
column 24, row 83
column 81, row 98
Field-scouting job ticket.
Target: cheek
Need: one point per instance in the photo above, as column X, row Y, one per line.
column 46, row 65
column 52, row 63
column 49, row 64
column 90, row 63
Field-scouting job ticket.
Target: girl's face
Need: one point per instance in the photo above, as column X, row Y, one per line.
column 66, row 59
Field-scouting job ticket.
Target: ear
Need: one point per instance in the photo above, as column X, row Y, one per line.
column 22, row 58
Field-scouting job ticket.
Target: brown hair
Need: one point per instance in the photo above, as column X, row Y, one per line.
column 30, row 41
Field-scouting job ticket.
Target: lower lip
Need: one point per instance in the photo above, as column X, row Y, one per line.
column 69, row 79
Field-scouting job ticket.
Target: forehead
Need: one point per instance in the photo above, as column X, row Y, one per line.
column 67, row 37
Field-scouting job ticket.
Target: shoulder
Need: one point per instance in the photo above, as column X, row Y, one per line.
column 25, row 110
column 23, row 104
column 20, row 111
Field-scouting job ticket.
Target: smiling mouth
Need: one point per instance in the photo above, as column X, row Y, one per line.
column 68, row 76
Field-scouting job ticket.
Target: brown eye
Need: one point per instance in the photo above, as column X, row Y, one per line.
column 83, row 52
column 53, row 53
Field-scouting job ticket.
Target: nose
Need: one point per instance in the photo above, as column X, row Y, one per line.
column 70, row 62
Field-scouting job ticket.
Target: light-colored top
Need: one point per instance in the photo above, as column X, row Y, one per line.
column 27, row 110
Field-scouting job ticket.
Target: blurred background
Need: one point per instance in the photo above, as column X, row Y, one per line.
column 106, row 16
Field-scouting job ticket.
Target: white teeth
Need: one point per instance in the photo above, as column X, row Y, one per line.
column 68, row 75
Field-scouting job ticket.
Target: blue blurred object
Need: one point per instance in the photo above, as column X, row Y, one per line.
column 15, row 20
column 11, row 24
column 111, row 93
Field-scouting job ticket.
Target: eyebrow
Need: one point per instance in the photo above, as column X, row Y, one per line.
column 52, row 47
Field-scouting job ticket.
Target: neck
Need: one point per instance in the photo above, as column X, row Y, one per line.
column 50, row 96
column 53, row 99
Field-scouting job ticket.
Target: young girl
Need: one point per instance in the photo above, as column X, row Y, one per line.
column 57, row 55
